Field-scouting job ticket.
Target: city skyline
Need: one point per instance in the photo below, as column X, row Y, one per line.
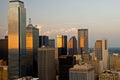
column 65, row 17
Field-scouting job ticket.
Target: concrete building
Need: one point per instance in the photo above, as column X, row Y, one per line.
column 43, row 41
column 81, row 72
column 101, row 52
column 62, row 44
column 16, row 39
column 72, row 46
column 115, row 62
column 82, row 41
column 32, row 45
column 52, row 43
column 108, row 75
column 65, row 63
column 46, row 64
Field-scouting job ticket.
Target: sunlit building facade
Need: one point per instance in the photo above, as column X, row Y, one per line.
column 82, row 41
column 32, row 45
column 72, row 46
column 16, row 39
column 101, row 52
column 62, row 44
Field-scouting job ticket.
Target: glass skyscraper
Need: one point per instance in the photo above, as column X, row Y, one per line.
column 16, row 39
column 82, row 41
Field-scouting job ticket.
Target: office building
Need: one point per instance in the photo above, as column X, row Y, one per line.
column 4, row 49
column 46, row 64
column 51, row 43
column 109, row 75
column 62, row 44
column 43, row 41
column 16, row 39
column 114, row 62
column 32, row 45
column 65, row 63
column 82, row 41
column 81, row 72
column 72, row 46
column 101, row 52
column 3, row 72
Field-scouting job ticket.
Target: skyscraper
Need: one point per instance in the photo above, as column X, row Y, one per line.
column 101, row 52
column 46, row 63
column 62, row 44
column 72, row 46
column 16, row 39
column 82, row 41
column 32, row 45
column 52, row 43
column 43, row 41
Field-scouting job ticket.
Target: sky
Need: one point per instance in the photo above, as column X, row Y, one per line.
column 54, row 17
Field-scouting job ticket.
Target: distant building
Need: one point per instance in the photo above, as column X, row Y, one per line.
column 115, row 62
column 4, row 49
column 101, row 52
column 72, row 46
column 82, row 41
column 3, row 72
column 108, row 75
column 98, row 67
column 43, row 41
column 52, row 43
column 81, row 72
column 65, row 63
column 32, row 45
column 62, row 44
column 46, row 64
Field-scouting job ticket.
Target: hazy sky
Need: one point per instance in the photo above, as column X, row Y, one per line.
column 53, row 17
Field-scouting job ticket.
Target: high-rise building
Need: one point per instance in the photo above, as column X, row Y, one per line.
column 62, row 44
column 82, row 41
column 81, row 72
column 65, row 63
column 16, row 39
column 4, row 49
column 52, row 43
column 32, row 45
column 101, row 52
column 43, row 41
column 114, row 62
column 72, row 46
column 46, row 64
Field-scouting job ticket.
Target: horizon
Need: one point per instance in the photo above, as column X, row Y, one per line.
column 101, row 18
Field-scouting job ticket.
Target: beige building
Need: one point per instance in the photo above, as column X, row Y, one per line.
column 107, row 75
column 81, row 72
column 101, row 52
column 114, row 62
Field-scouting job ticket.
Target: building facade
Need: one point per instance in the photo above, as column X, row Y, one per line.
column 43, row 41
column 72, row 46
column 46, row 64
column 101, row 52
column 82, row 41
column 32, row 45
column 81, row 72
column 16, row 39
column 62, row 44
column 52, row 43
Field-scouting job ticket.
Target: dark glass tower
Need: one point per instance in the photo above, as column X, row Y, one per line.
column 16, row 39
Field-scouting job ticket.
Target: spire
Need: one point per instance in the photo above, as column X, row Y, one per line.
column 29, row 20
